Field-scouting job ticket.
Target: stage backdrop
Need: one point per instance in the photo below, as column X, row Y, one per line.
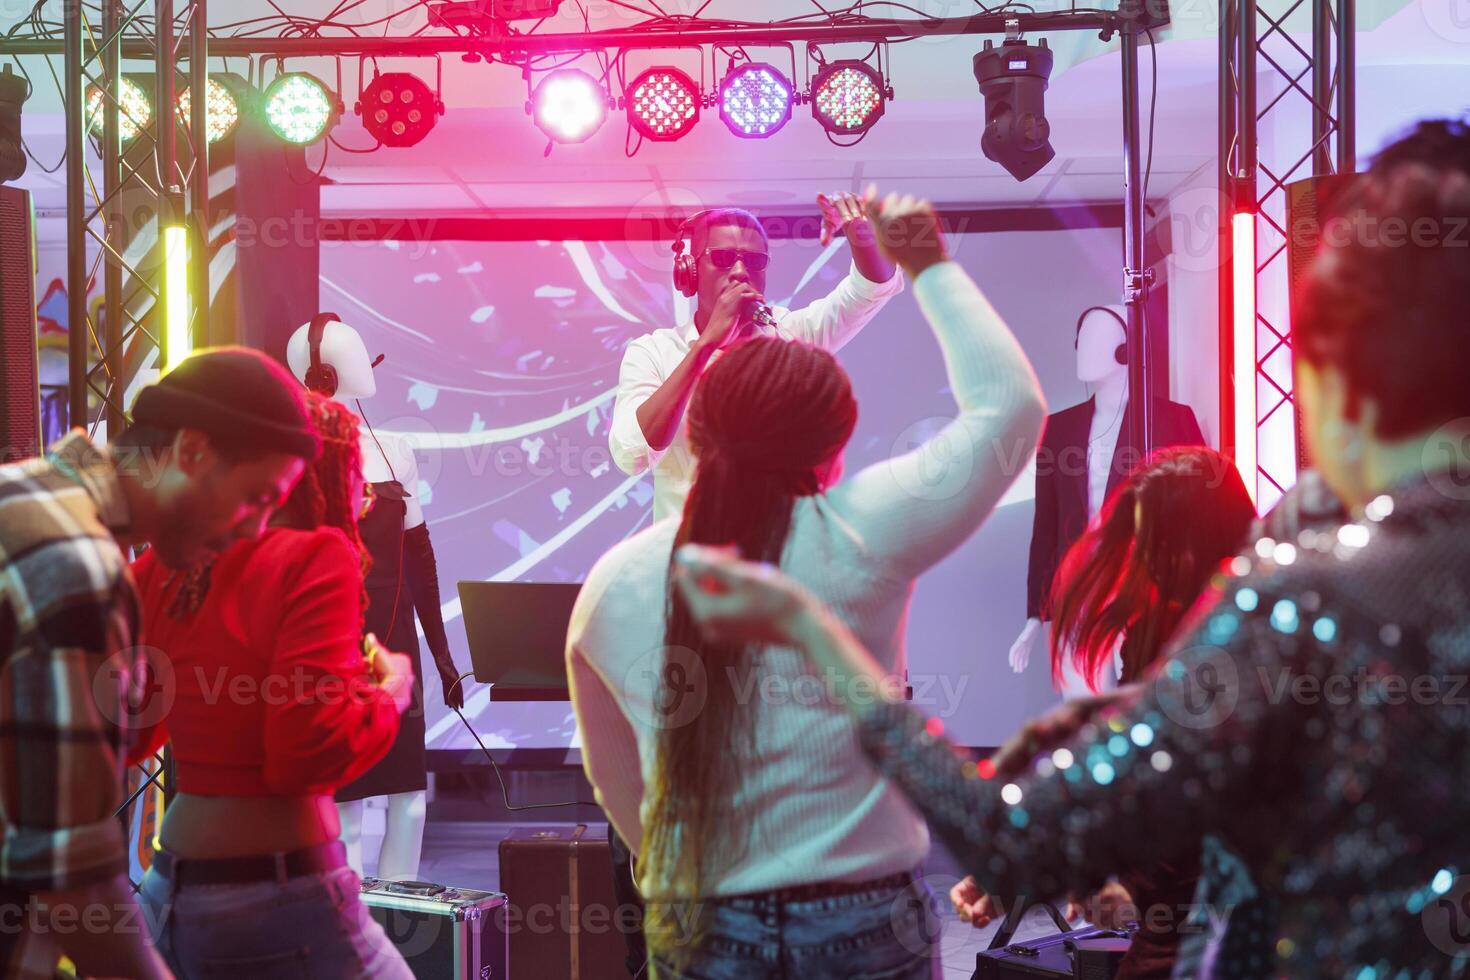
column 502, row 361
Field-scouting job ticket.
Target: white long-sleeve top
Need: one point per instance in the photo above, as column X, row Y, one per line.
column 648, row 361
column 812, row 806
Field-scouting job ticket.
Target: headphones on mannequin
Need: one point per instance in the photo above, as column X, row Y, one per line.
column 1121, row 354
column 320, row 378
column 686, row 267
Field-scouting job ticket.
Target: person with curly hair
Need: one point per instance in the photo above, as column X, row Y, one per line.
column 274, row 707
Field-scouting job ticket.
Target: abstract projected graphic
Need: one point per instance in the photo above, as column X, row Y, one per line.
column 501, row 367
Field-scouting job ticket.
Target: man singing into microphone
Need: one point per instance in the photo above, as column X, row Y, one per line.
column 725, row 267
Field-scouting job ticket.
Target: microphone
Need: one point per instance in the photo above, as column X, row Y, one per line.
column 377, row 360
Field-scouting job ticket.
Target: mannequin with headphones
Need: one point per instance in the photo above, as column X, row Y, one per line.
column 1085, row 452
column 720, row 260
column 329, row 357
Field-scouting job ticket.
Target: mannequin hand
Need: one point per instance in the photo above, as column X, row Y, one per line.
column 1021, row 649
column 846, row 213
column 731, row 314
column 739, row 601
column 1057, row 727
column 453, row 688
column 973, row 904
column 908, row 232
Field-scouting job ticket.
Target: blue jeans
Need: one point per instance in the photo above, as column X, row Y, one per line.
column 307, row 926
column 883, row 934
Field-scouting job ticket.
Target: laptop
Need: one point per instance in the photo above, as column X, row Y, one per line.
column 517, row 634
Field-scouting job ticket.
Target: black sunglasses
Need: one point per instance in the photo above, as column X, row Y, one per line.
column 725, row 258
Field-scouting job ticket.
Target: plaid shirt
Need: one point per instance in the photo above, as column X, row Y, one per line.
column 69, row 622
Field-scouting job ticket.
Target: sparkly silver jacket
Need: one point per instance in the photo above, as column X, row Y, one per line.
column 1314, row 716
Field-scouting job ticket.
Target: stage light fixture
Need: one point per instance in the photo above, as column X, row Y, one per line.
column 755, row 100
column 398, row 108
column 1013, row 79
column 848, row 97
column 221, row 111
column 300, row 109
column 135, row 109
column 663, row 104
column 568, row 106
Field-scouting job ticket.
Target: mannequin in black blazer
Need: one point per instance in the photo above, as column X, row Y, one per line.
column 1063, row 476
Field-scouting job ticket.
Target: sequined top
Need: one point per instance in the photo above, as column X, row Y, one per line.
column 1313, row 716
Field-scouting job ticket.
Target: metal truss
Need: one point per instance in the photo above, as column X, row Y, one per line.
column 129, row 245
column 1255, row 46
column 135, row 292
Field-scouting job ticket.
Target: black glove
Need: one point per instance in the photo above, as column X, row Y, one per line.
column 423, row 583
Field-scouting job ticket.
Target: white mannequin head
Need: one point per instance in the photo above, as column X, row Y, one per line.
column 343, row 349
column 1099, row 337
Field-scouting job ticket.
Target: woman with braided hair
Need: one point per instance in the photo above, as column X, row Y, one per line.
column 765, row 848
column 274, row 707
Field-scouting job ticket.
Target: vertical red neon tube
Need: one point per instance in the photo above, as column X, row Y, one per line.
column 1243, row 331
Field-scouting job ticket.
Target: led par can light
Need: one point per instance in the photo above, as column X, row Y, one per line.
column 399, row 108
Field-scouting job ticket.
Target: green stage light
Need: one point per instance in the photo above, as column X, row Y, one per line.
column 300, row 109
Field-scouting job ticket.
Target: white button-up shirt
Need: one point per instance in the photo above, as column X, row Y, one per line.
column 829, row 323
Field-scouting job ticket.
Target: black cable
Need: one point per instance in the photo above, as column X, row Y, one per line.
column 1153, row 98
column 499, row 776
column 352, row 149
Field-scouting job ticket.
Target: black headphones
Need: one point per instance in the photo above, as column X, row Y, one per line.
column 320, row 378
column 1121, row 354
column 686, row 267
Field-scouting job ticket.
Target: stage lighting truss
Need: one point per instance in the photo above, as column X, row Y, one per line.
column 300, row 109
column 399, row 108
column 568, row 105
column 848, row 97
column 663, row 103
column 135, row 109
column 222, row 110
column 755, row 100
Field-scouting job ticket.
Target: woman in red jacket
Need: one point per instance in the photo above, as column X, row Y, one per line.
column 269, row 707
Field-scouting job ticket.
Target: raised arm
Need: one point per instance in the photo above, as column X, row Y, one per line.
column 833, row 320
column 914, row 509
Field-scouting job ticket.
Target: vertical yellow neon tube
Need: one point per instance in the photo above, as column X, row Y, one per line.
column 177, row 342
column 1243, row 268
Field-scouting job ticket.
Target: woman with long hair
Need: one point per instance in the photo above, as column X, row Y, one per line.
column 766, row 846
column 1126, row 585
column 1310, row 714
column 274, row 707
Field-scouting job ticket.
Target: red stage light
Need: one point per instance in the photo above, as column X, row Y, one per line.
column 663, row 104
column 398, row 109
